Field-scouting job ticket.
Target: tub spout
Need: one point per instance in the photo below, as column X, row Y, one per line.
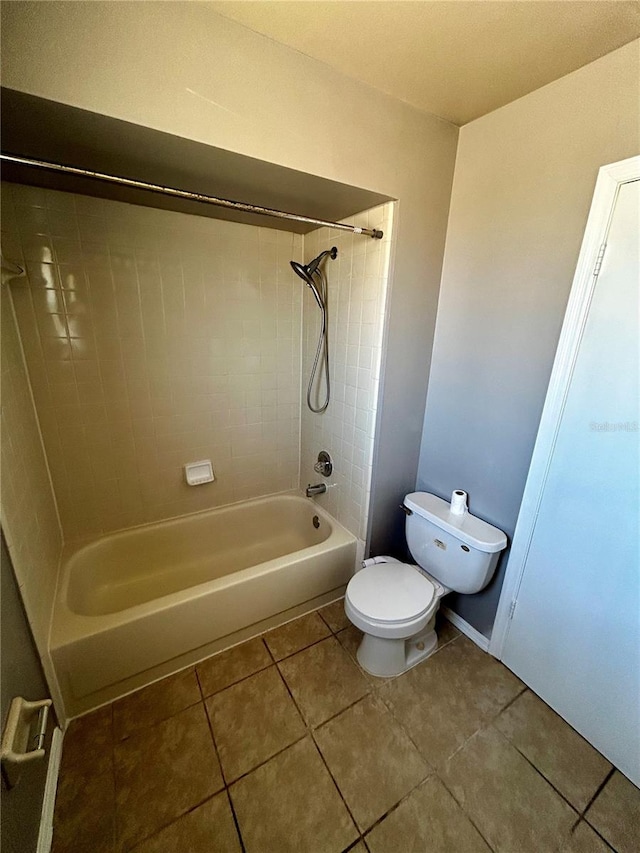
column 319, row 489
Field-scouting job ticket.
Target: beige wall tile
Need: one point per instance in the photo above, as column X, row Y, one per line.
column 29, row 517
column 357, row 284
column 166, row 320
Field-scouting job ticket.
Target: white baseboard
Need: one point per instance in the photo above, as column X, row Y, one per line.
column 468, row 630
column 45, row 836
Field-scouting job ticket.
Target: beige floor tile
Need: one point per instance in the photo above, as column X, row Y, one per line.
column 226, row 668
column 444, row 700
column 445, row 630
column 290, row 805
column 323, row 680
column 371, row 759
column 208, row 829
column 294, row 636
column 584, row 840
column 252, row 721
column 84, row 820
column 615, row 814
column 162, row 772
column 571, row 764
column 428, row 821
column 510, row 803
column 350, row 639
column 155, row 703
column 334, row 615
column 88, row 745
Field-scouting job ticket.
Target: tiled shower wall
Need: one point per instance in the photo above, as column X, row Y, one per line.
column 357, row 284
column 29, row 520
column 153, row 339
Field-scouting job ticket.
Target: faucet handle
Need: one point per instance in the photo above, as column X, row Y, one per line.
column 324, row 465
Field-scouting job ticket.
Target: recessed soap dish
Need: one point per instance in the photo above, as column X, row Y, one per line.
column 197, row 473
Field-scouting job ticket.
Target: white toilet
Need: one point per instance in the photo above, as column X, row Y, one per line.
column 395, row 604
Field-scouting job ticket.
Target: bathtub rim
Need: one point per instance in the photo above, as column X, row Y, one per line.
column 67, row 626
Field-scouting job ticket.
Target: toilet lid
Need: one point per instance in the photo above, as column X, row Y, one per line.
column 390, row 592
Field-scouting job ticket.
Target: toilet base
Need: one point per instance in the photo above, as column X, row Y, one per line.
column 384, row 657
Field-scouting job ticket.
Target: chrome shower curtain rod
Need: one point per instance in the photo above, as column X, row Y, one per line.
column 191, row 196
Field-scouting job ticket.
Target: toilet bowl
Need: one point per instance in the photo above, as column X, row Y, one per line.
column 394, row 604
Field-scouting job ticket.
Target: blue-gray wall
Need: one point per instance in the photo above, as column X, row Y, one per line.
column 522, row 189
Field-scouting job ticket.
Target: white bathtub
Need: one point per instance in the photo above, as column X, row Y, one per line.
column 134, row 606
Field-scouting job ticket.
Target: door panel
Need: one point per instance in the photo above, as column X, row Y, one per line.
column 575, row 633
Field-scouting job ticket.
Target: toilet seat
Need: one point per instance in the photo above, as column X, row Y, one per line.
column 390, row 594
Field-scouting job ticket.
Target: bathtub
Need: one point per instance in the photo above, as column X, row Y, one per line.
column 136, row 605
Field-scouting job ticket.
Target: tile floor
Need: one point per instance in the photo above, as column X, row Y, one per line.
column 284, row 745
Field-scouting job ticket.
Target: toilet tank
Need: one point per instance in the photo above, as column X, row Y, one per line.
column 460, row 551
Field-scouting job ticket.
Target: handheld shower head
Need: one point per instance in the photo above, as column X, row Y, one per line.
column 305, row 275
column 306, row 272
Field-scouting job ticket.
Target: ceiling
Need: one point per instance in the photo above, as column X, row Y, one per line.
column 458, row 59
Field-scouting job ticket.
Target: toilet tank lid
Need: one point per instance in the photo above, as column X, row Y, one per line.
column 467, row 528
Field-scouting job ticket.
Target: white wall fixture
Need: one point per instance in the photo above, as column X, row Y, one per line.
column 198, row 473
column 568, row 622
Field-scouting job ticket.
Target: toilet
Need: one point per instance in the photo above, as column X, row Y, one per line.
column 395, row 603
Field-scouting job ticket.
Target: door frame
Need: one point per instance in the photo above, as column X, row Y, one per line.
column 610, row 178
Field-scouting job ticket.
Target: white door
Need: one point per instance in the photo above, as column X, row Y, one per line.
column 574, row 631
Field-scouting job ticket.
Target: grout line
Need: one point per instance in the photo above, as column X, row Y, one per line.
column 354, row 844
column 151, row 725
column 235, row 819
column 580, row 814
column 233, row 683
column 293, row 699
column 430, row 771
column 303, row 649
column 469, row 817
column 266, row 645
column 390, row 708
column 607, row 844
column 266, row 760
column 222, row 773
column 321, row 725
column 598, row 791
column 164, row 826
column 337, row 787
column 202, row 696
column 398, row 804
column 215, row 745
